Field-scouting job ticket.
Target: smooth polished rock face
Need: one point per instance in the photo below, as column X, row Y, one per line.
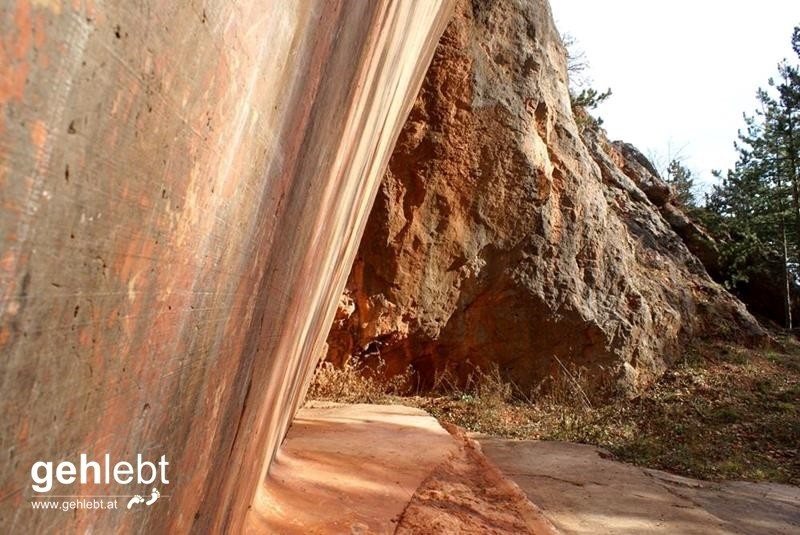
column 348, row 469
column 183, row 188
column 501, row 234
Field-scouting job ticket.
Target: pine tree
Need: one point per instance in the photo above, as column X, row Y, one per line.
column 741, row 211
column 682, row 181
column 756, row 209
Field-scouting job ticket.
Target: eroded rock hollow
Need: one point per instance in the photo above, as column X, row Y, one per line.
column 504, row 233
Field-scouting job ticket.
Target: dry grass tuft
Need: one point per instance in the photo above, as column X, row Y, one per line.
column 357, row 383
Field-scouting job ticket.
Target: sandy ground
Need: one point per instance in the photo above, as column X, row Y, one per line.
column 357, row 469
column 348, row 469
column 354, row 469
column 582, row 491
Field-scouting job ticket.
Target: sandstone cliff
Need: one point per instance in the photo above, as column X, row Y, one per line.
column 183, row 187
column 502, row 234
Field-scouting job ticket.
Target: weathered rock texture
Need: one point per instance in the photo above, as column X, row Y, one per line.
column 503, row 235
column 637, row 167
column 763, row 293
column 182, row 190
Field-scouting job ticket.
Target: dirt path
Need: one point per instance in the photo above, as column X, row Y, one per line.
column 348, row 469
column 583, row 492
column 357, row 469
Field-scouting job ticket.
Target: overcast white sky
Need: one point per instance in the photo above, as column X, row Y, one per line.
column 681, row 71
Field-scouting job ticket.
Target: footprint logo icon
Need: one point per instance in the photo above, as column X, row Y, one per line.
column 154, row 495
column 136, row 499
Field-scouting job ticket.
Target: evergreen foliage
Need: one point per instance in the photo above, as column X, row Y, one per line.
column 682, row 181
column 587, row 98
column 755, row 211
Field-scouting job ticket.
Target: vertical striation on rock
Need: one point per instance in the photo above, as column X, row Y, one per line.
column 183, row 190
column 503, row 234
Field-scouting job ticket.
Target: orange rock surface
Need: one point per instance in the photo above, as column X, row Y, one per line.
column 183, row 187
column 503, row 233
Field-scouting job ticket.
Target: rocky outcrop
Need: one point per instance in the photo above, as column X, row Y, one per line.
column 639, row 169
column 502, row 234
column 763, row 292
column 183, row 188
